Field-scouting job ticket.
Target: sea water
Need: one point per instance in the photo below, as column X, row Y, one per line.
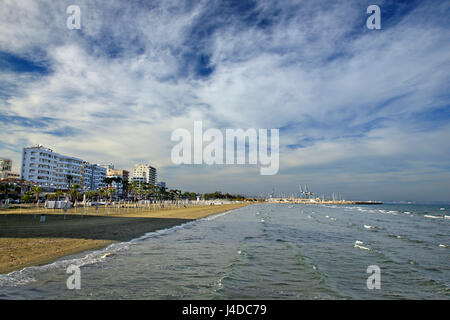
column 264, row 251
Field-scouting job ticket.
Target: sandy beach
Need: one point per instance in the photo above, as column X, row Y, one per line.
column 25, row 241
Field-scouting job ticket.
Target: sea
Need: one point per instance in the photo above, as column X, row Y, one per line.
column 263, row 251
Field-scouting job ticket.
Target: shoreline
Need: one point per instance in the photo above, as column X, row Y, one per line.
column 25, row 241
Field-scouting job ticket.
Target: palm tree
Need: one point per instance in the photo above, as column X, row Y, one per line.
column 108, row 181
column 59, row 194
column 102, row 193
column 134, row 189
column 162, row 193
column 111, row 191
column 74, row 191
column 172, row 194
column 36, row 190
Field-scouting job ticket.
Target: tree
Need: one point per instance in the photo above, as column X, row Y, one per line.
column 59, row 194
column 5, row 188
column 27, row 197
column 108, row 181
column 73, row 191
column 69, row 178
column 134, row 186
column 36, row 191
column 91, row 195
column 102, row 193
column 111, row 191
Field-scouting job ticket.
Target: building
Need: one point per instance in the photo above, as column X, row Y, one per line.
column 6, row 170
column 93, row 176
column 143, row 173
column 9, row 175
column 124, row 174
column 44, row 167
column 117, row 173
column 5, row 165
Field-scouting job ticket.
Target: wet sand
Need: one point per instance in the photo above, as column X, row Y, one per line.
column 25, row 241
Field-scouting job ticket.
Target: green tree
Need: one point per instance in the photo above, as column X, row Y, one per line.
column 111, row 191
column 73, row 191
column 102, row 193
column 59, row 194
column 5, row 188
column 27, row 197
column 36, row 191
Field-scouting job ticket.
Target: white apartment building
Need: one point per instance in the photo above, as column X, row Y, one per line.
column 47, row 168
column 93, row 176
column 144, row 173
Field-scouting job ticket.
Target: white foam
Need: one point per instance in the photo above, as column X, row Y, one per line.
column 361, row 247
column 368, row 227
column 433, row 217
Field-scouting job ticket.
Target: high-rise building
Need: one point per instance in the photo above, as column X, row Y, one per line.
column 93, row 176
column 47, row 168
column 144, row 173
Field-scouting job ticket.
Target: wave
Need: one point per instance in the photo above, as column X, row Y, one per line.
column 433, row 217
column 361, row 247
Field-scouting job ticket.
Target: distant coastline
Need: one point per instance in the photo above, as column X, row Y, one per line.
column 321, row 201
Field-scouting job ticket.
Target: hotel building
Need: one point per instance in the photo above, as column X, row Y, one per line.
column 93, row 176
column 143, row 173
column 47, row 168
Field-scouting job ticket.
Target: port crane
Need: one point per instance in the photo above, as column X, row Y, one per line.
column 305, row 192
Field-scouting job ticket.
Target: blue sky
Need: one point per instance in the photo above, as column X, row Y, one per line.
column 363, row 112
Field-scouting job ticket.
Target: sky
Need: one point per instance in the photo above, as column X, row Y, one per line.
column 361, row 112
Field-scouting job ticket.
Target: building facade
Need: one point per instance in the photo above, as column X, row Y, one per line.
column 144, row 173
column 47, row 168
column 118, row 173
column 6, row 168
column 5, row 165
column 93, row 176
